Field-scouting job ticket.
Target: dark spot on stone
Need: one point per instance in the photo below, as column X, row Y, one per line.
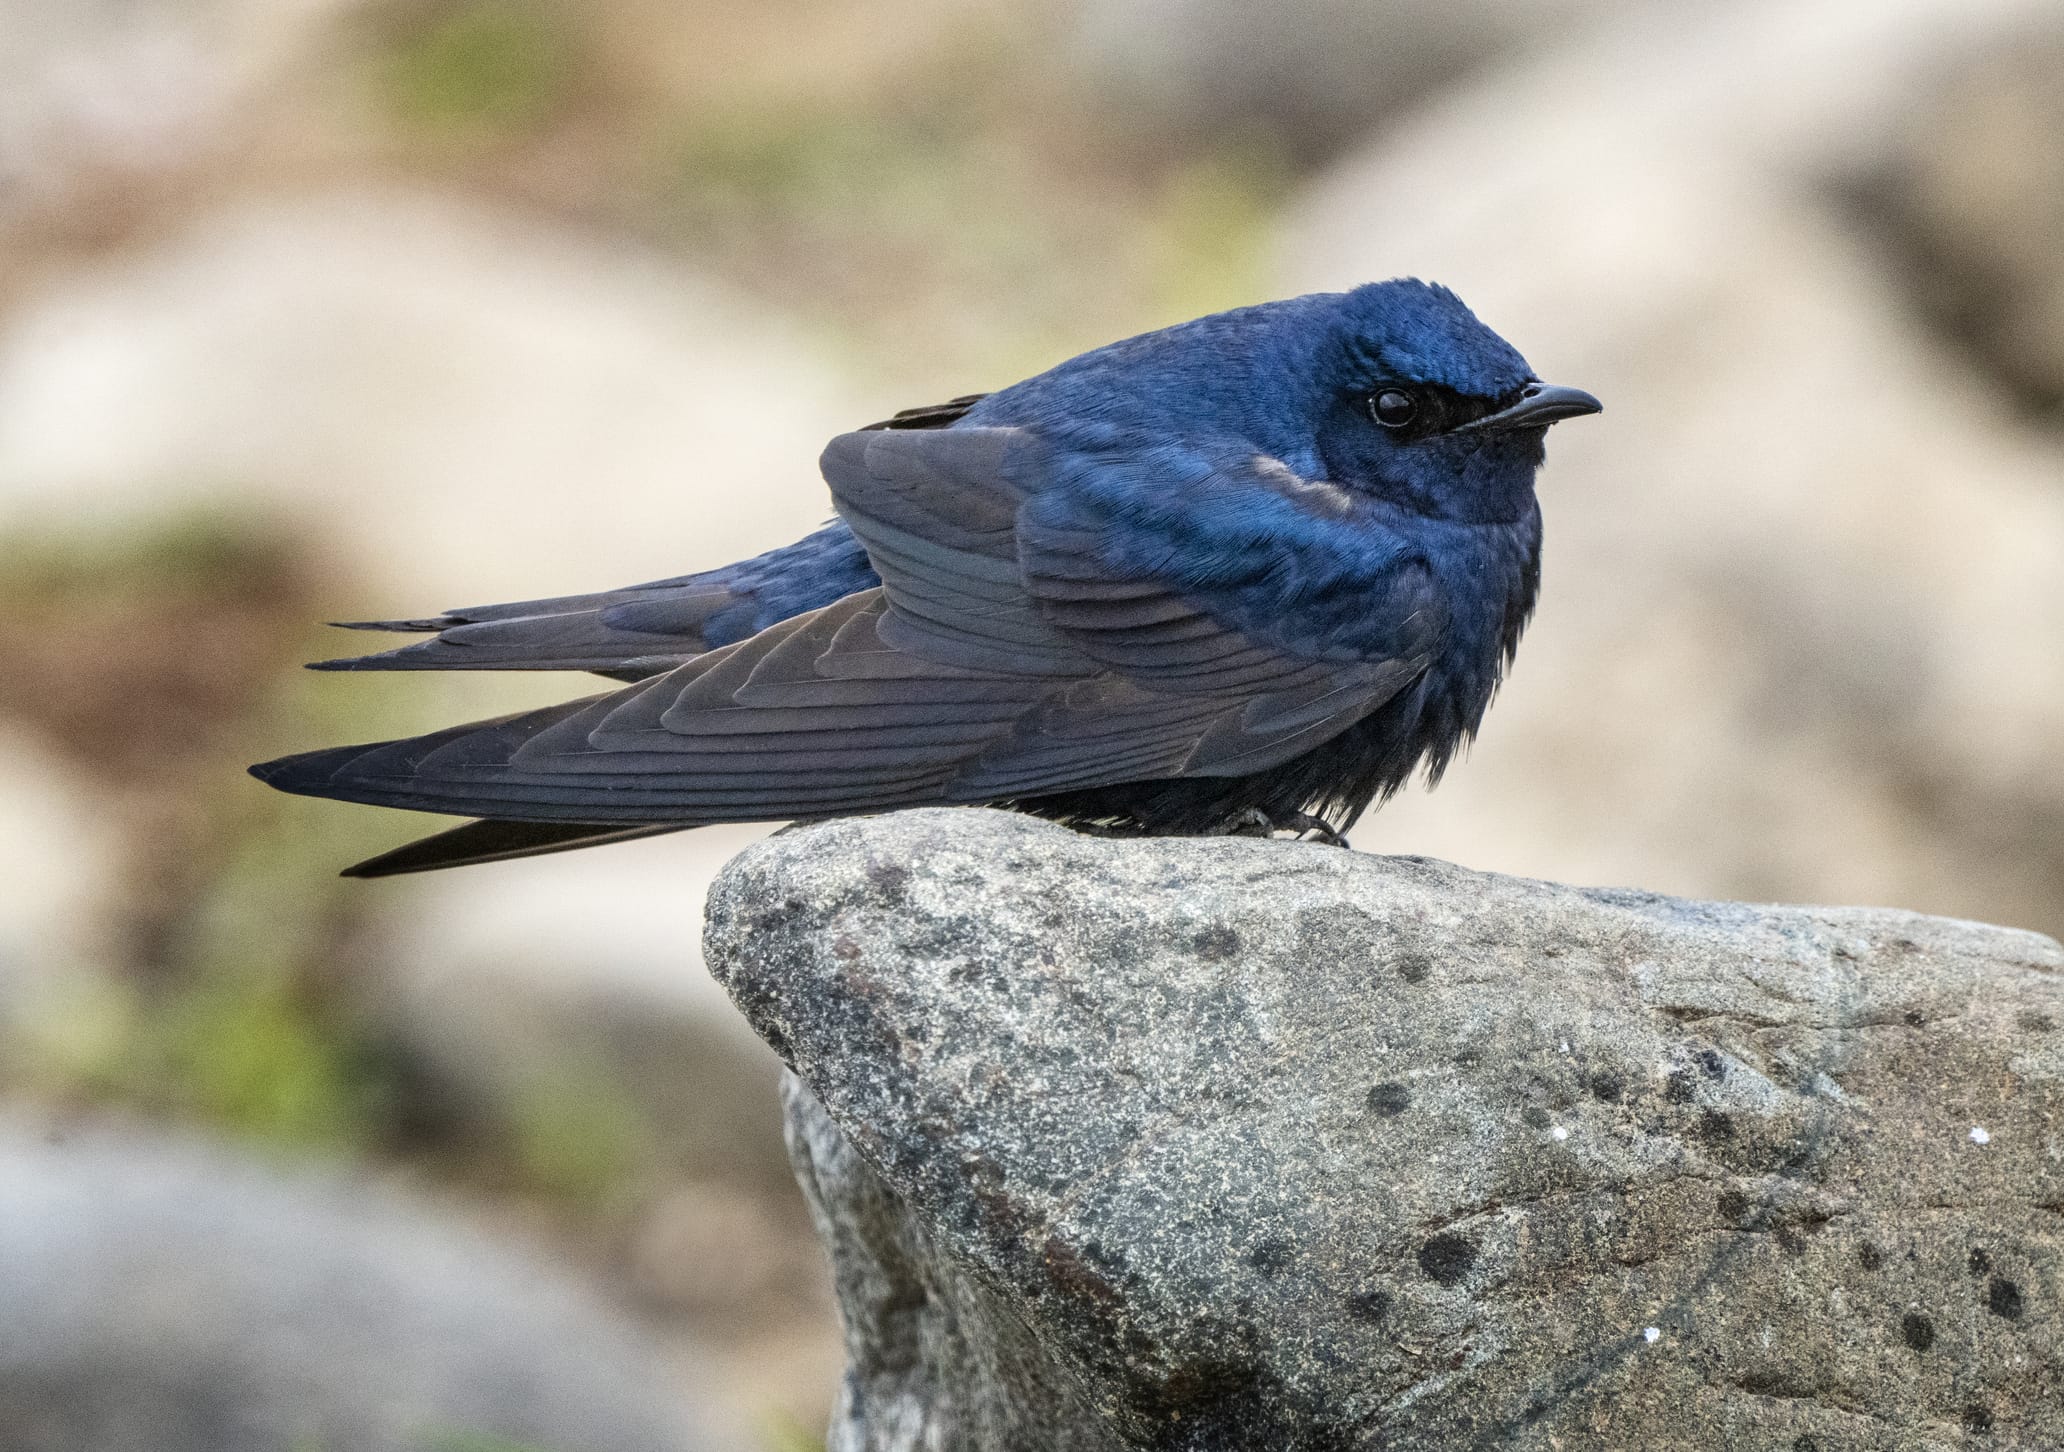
column 1195, row 1392
column 844, row 949
column 1913, row 1018
column 1535, row 1116
column 1804, row 1443
column 1271, row 1256
column 1980, row 1262
column 1370, row 1306
column 1607, row 1085
column 1917, row 1331
column 1715, row 1127
column 1127, row 947
column 1215, row 945
column 889, row 878
column 1734, row 1205
column 2035, row 1023
column 1977, row 1418
column 2003, row 1298
column 1677, row 1088
column 1447, row 1258
column 1712, row 1064
column 1789, row 1240
column 1535, row 1410
column 1074, row 1276
column 1390, row 1098
column 1870, row 1257
column 1768, row 1384
column 1415, row 967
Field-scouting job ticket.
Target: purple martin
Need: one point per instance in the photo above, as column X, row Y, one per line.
column 1245, row 574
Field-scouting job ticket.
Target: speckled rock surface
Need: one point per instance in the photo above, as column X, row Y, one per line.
column 1237, row 1144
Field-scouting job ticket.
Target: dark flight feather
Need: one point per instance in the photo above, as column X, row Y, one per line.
column 495, row 841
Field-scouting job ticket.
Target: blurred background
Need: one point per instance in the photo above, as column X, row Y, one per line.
column 321, row 309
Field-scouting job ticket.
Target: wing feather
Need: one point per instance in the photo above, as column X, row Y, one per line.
column 1001, row 656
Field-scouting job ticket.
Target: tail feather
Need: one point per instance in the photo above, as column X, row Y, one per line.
column 496, row 840
column 397, row 627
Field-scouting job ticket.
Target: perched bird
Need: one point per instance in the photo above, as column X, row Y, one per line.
column 1245, row 574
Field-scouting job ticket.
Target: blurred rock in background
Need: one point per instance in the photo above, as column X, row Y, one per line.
column 167, row 1297
column 427, row 387
column 338, row 308
column 1968, row 202
column 1308, row 77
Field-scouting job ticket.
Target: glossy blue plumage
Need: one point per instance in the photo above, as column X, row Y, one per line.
column 1258, row 567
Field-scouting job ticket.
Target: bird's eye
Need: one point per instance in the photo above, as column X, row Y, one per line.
column 1393, row 407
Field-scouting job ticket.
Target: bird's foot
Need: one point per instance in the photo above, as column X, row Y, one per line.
column 1247, row 822
column 1254, row 822
column 1311, row 829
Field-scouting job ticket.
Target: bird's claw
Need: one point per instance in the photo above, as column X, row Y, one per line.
column 1312, row 829
column 1248, row 822
column 1254, row 822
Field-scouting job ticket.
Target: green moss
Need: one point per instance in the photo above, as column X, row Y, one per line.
column 203, row 548
column 485, row 67
column 578, row 1137
column 476, row 1442
column 246, row 1054
column 1207, row 232
column 784, row 1434
column 815, row 168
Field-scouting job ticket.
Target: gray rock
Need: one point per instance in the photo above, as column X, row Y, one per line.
column 164, row 1297
column 1216, row 1144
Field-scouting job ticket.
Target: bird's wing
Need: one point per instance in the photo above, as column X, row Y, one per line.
column 992, row 662
column 1020, row 573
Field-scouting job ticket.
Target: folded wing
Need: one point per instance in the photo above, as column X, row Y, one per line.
column 993, row 661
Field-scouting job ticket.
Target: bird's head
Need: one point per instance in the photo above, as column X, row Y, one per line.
column 1429, row 409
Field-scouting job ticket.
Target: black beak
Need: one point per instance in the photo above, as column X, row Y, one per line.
column 1540, row 405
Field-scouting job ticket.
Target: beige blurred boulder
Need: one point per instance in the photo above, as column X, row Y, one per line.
column 1805, row 577
column 61, row 862
column 108, row 107
column 1971, row 198
column 470, row 405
